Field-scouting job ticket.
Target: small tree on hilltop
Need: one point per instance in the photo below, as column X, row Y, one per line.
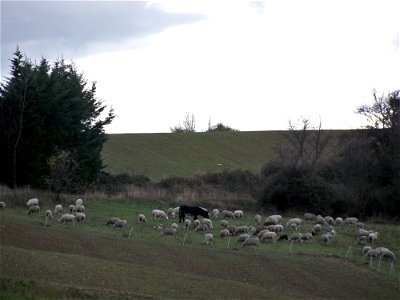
column 189, row 125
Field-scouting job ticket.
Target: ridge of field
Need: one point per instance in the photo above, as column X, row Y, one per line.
column 160, row 155
column 96, row 261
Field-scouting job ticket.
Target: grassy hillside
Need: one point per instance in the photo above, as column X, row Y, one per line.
column 160, row 155
column 92, row 260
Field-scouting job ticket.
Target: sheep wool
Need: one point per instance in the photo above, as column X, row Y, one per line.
column 208, row 238
column 2, row 205
column 33, row 209
column 251, row 242
column 224, row 233
column 142, row 218
column 66, row 218
column 33, row 201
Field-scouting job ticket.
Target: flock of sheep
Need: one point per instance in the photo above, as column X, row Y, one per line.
column 263, row 230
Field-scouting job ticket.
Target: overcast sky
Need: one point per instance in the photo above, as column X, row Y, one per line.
column 252, row 65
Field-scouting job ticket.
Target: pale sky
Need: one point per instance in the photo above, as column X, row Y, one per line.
column 251, row 65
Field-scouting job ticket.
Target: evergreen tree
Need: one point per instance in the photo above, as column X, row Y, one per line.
column 45, row 110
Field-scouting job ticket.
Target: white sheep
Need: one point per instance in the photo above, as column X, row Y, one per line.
column 201, row 227
column 271, row 220
column 388, row 255
column 242, row 229
column 208, row 239
column 329, row 220
column 142, row 218
column 78, row 202
column 227, row 214
column 297, row 236
column 33, row 201
column 215, row 212
column 174, row 225
column 277, row 217
column 268, row 236
column 366, row 249
column 196, row 223
column 296, row 221
column 309, row 217
column 260, row 234
column 241, row 238
column 372, row 253
column 279, row 228
column 326, row 237
column 320, row 220
column 49, row 214
column 224, row 233
column 67, row 218
column 238, row 214
column 80, row 208
column 171, row 212
column 258, row 219
column 317, row 228
column 169, row 231
column 112, row 220
column 251, row 242
column 293, row 226
column 2, row 205
column 373, row 236
column 119, row 223
column 307, row 236
column 187, row 223
column 72, row 208
column 338, row 221
column 58, row 209
column 350, row 221
column 159, row 214
column 232, row 229
column 224, row 223
column 33, row 209
column 207, row 221
column 80, row 217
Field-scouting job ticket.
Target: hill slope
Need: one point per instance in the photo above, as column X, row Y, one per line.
column 160, row 155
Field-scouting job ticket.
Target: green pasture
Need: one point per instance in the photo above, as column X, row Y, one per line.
column 93, row 260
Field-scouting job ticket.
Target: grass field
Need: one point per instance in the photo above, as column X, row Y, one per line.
column 92, row 260
column 160, row 155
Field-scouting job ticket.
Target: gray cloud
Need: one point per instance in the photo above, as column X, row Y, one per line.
column 52, row 28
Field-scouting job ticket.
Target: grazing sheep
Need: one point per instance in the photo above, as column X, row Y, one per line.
column 371, row 253
column 171, row 212
column 362, row 232
column 119, row 223
column 338, row 221
column 227, row 214
column 258, row 219
column 49, row 214
column 111, row 221
column 242, row 238
column 80, row 208
column 201, row 227
column 67, row 218
column 80, row 217
column 260, row 234
column 174, row 225
column 208, row 239
column 33, row 209
column 33, row 201
column 232, row 229
column 309, row 217
column 366, row 249
column 215, row 212
column 242, row 229
column 278, row 228
column 72, row 208
column 360, row 225
column 373, row 236
column 293, row 226
column 307, row 236
column 187, row 224
column 326, row 238
column 293, row 221
column 362, row 240
column 387, row 255
column 224, row 223
column 206, row 221
column 329, row 220
column 320, row 220
column 58, row 209
column 251, row 242
column 350, row 221
column 272, row 220
column 169, row 231
column 317, row 228
column 196, row 223
column 271, row 227
column 297, row 236
column 2, row 205
column 142, row 218
column 78, row 202
column 238, row 214
column 159, row 214
column 283, row 237
column 381, row 249
column 268, row 236
column 224, row 233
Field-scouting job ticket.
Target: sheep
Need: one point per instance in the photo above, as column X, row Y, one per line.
column 80, row 217
column 201, row 227
column 251, row 242
column 227, row 214
column 338, row 221
column 49, row 214
column 2, row 205
column 388, row 255
column 293, row 221
column 196, row 223
column 271, row 227
column 158, row 214
column 67, row 218
column 362, row 240
column 215, row 212
column 119, row 223
column 272, row 220
column 206, row 221
column 360, row 225
column 224, row 223
column 316, row 229
column 320, row 220
column 80, row 208
column 208, row 239
column 260, row 234
column 224, row 233
column 326, row 238
column 242, row 238
column 366, row 249
column 371, row 253
column 268, row 236
column 373, row 236
column 187, row 223
column 78, row 202
column 309, row 217
column 33, row 209
column 329, row 220
column 142, row 218
column 72, row 208
column 297, row 236
column 111, row 221
column 293, row 226
column 232, row 229
column 33, row 201
column 58, row 209
column 171, row 212
column 242, row 229
column 257, row 219
column 350, row 221
column 362, row 232
column 307, row 236
column 238, row 214
column 174, row 225
column 169, row 231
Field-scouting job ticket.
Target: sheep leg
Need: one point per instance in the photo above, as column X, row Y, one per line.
column 391, row 269
column 229, row 241
column 130, row 232
column 184, row 238
column 291, row 245
column 370, row 261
